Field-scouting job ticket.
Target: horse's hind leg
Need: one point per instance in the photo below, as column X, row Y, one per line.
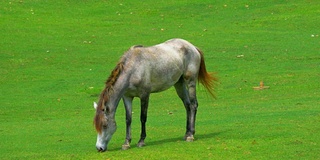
column 193, row 108
column 188, row 97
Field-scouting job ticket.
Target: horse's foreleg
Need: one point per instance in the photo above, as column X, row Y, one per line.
column 128, row 107
column 143, row 119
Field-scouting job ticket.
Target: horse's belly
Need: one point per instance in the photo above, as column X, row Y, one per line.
column 164, row 81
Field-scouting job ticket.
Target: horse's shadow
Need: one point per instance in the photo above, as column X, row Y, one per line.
column 175, row 139
column 180, row 138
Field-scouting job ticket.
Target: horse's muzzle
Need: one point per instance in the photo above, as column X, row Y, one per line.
column 101, row 149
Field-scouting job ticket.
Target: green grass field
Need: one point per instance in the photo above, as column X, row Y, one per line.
column 56, row 55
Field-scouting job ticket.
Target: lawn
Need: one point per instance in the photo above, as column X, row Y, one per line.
column 56, row 55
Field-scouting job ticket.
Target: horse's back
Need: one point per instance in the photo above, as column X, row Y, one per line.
column 161, row 66
column 189, row 53
column 174, row 54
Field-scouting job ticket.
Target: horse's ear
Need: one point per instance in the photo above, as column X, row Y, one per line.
column 95, row 105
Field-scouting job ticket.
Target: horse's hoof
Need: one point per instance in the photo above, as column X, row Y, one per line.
column 141, row 144
column 125, row 147
column 189, row 139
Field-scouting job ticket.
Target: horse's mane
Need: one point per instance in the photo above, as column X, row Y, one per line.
column 104, row 96
column 111, row 81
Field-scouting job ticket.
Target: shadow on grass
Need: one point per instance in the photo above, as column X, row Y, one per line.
column 171, row 140
column 181, row 138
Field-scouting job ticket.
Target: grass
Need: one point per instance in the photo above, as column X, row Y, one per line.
column 55, row 56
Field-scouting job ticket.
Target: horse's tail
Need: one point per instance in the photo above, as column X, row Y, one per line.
column 208, row 80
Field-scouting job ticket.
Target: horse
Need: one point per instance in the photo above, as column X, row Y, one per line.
column 145, row 70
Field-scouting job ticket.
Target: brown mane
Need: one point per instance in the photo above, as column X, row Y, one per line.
column 99, row 119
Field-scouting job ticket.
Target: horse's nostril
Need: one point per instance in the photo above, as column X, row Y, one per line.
column 100, row 149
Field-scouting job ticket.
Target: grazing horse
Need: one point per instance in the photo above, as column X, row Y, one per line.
column 145, row 70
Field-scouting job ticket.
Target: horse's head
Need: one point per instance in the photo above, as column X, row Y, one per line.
column 105, row 126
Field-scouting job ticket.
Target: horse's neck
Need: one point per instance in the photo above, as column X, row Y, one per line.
column 118, row 91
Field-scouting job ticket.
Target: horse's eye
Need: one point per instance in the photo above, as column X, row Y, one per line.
column 107, row 109
column 104, row 126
